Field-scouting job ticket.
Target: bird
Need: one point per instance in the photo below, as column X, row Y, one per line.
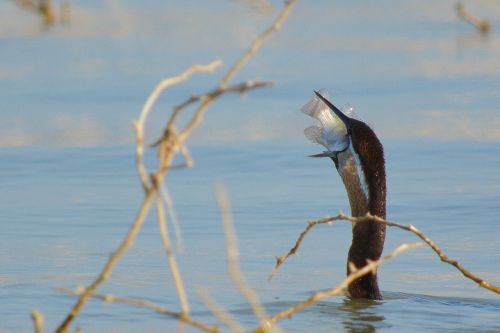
column 358, row 156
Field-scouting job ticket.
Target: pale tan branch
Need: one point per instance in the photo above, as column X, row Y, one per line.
column 320, row 295
column 147, row 107
column 232, row 255
column 37, row 317
column 483, row 26
column 368, row 217
column 113, row 259
column 172, row 262
column 219, row 312
column 167, row 198
column 209, row 97
column 42, row 7
column 256, row 44
column 183, row 317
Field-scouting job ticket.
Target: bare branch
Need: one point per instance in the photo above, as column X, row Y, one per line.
column 167, row 198
column 113, row 259
column 232, row 255
column 148, row 105
column 212, row 95
column 256, row 44
column 145, row 304
column 368, row 217
column 168, row 146
column 293, row 250
column 483, row 26
column 320, row 295
column 37, row 317
column 42, row 7
column 219, row 312
column 172, row 262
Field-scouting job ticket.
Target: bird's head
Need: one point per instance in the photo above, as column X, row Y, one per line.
column 338, row 131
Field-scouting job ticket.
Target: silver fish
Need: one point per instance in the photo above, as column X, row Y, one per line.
column 331, row 133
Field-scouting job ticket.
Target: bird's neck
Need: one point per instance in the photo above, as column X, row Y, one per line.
column 366, row 192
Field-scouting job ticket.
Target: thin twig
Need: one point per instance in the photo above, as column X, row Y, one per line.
column 113, row 259
column 219, row 312
column 167, row 198
column 232, row 255
column 41, row 7
column 256, row 44
column 172, row 262
column 483, row 26
column 320, row 295
column 368, row 217
column 293, row 250
column 37, row 317
column 214, row 94
column 145, row 304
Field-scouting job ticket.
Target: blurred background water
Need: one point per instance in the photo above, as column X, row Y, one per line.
column 427, row 82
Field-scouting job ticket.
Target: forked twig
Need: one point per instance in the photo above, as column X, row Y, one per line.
column 108, row 298
column 368, row 217
column 318, row 296
column 293, row 250
column 148, row 105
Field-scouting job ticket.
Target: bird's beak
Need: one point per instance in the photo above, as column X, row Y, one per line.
column 325, row 154
column 345, row 119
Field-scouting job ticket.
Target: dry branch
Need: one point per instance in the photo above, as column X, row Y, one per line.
column 37, row 320
column 167, row 198
column 42, row 7
column 256, row 44
column 483, row 26
column 232, row 255
column 108, row 298
column 318, row 296
column 368, row 217
column 219, row 312
column 113, row 259
column 148, row 105
column 172, row 262
column 293, row 250
column 169, row 144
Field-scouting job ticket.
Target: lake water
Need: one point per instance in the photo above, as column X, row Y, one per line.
column 426, row 81
column 64, row 211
